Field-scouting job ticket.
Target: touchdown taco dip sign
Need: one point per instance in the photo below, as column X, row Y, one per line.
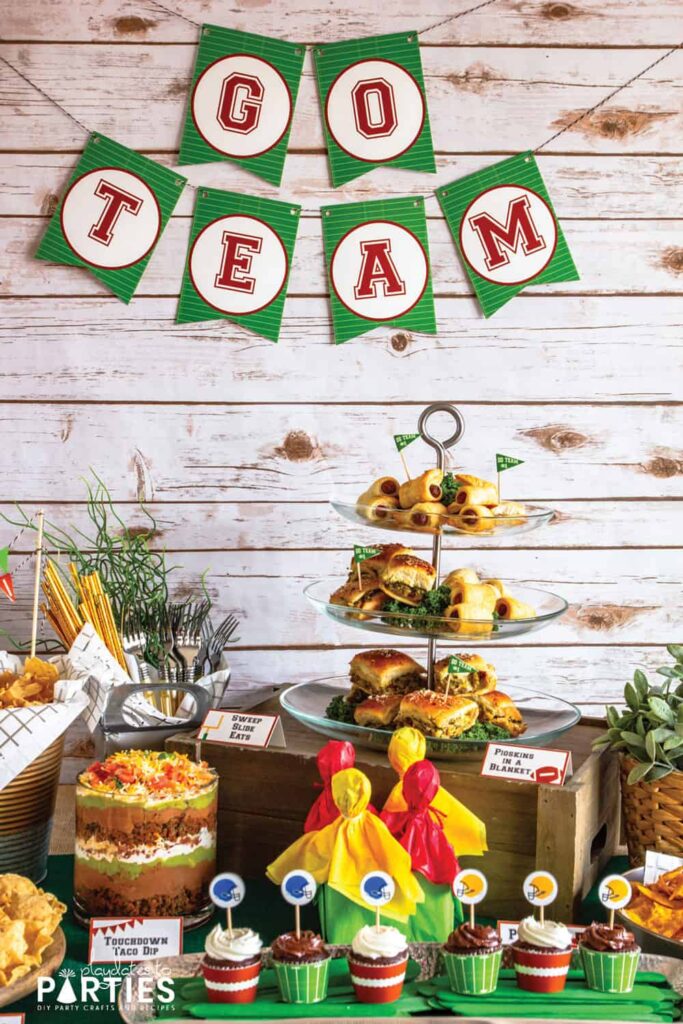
column 506, row 231
column 111, row 217
column 378, row 266
column 239, row 260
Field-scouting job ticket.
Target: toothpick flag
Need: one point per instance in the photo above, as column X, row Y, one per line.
column 506, row 231
column 244, row 90
column 374, row 105
column 115, row 208
column 239, row 260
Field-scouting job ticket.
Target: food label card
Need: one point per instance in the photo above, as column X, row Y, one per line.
column 508, row 931
column 657, row 864
column 12, row 1018
column 241, row 729
column 527, row 764
column 113, row 939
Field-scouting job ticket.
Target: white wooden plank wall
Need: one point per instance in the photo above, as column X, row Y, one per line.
column 238, row 444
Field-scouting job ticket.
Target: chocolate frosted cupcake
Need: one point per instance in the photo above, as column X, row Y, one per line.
column 610, row 958
column 542, row 955
column 231, row 965
column 378, row 961
column 472, row 957
column 301, row 965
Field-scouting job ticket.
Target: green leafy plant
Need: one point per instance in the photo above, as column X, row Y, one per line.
column 650, row 727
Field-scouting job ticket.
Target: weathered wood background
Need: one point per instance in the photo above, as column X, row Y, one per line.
column 238, row 444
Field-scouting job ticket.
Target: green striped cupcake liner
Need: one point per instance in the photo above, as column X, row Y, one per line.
column 302, row 983
column 473, row 974
column 610, row 972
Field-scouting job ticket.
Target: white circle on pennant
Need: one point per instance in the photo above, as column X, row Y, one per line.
column 379, row 270
column 615, row 892
column 298, row 887
column 540, row 888
column 375, row 110
column 377, row 888
column 227, row 890
column 241, row 105
column 470, row 886
column 238, row 264
column 110, row 218
column 508, row 234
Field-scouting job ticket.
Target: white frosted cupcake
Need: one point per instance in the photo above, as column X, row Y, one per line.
column 378, row 961
column 231, row 965
column 541, row 955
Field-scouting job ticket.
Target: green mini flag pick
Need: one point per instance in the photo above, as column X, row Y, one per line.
column 242, row 100
column 377, row 257
column 360, row 554
column 115, row 208
column 403, row 440
column 504, row 462
column 456, row 665
column 4, row 560
column 238, row 261
column 374, row 105
column 506, row 230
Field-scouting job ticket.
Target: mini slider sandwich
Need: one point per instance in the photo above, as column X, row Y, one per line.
column 407, row 578
column 378, row 712
column 375, row 565
column 383, row 671
column 482, row 680
column 366, row 597
column 496, row 708
column 438, row 715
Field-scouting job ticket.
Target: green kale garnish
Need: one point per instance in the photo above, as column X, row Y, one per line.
column 449, row 488
column 485, row 731
column 433, row 604
column 340, row 710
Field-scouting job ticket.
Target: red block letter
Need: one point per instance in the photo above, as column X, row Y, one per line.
column 238, row 253
column 116, row 200
column 377, row 268
column 239, row 108
column 518, row 227
column 374, row 109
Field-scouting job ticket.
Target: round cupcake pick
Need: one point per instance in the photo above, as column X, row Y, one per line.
column 470, row 887
column 227, row 892
column 298, row 889
column 615, row 892
column 540, row 890
column 377, row 889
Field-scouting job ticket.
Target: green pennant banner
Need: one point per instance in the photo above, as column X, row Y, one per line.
column 114, row 210
column 456, row 666
column 360, row 553
column 240, row 109
column 374, row 105
column 506, row 231
column 403, row 440
column 238, row 261
column 377, row 257
column 504, row 462
column 4, row 560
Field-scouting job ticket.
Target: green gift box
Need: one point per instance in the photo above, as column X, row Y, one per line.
column 610, row 972
column 473, row 974
column 302, row 983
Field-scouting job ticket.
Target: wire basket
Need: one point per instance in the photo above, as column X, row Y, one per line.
column 27, row 807
column 652, row 814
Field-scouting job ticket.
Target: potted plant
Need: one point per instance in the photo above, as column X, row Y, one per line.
column 648, row 733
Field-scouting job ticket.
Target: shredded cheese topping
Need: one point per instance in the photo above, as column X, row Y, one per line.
column 142, row 773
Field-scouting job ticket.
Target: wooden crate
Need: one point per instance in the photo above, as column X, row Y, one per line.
column 571, row 830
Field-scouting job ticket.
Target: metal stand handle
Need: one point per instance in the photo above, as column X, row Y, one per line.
column 440, row 447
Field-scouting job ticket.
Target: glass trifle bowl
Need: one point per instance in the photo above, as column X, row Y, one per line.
column 145, row 837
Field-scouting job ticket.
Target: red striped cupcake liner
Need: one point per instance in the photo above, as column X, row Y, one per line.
column 232, row 983
column 540, row 971
column 378, row 983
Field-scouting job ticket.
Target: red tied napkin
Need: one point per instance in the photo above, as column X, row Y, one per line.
column 332, row 758
column 419, row 829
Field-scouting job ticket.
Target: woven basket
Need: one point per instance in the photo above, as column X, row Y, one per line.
column 26, row 812
column 652, row 814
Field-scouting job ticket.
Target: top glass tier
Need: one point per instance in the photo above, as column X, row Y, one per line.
column 412, row 520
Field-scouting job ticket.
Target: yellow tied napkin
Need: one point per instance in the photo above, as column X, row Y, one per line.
column 464, row 830
column 350, row 847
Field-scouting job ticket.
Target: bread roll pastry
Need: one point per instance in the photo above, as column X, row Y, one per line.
column 367, row 596
column 407, row 578
column 483, row 493
column 436, row 714
column 475, row 593
column 496, row 708
column 385, row 486
column 469, row 619
column 467, row 480
column 427, row 516
column 378, row 712
column 385, row 671
column 509, row 513
column 472, row 518
column 510, row 608
column 376, row 509
column 498, row 586
column 481, row 680
column 377, row 563
column 426, row 487
column 461, row 576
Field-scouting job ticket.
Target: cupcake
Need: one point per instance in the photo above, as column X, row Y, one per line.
column 378, row 961
column 541, row 955
column 231, row 965
column 610, row 958
column 472, row 957
column 301, row 965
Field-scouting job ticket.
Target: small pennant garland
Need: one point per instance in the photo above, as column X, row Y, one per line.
column 506, row 231
column 6, row 582
column 238, row 261
column 374, row 105
column 504, row 462
column 115, row 208
column 377, row 257
column 403, row 440
column 240, row 109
